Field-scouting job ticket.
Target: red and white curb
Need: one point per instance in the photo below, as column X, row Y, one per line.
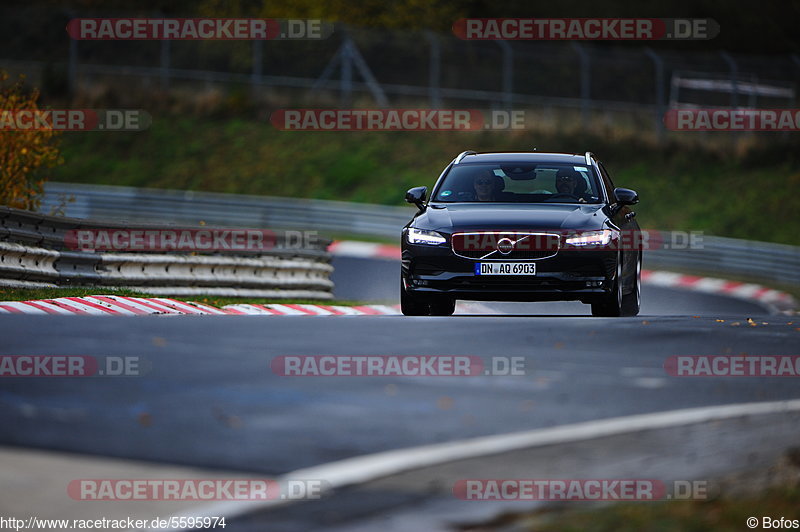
column 106, row 305
column 712, row 285
column 709, row 285
column 310, row 310
column 364, row 250
column 109, row 305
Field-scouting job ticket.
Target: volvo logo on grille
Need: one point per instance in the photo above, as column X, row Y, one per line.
column 505, row 246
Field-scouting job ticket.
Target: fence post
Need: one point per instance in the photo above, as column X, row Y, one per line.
column 72, row 67
column 508, row 74
column 346, row 81
column 586, row 80
column 734, row 68
column 328, row 71
column 363, row 68
column 434, row 70
column 658, row 63
column 752, row 100
column 256, row 74
column 165, row 46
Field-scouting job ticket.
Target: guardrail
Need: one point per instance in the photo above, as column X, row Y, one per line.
column 731, row 256
column 178, row 206
column 725, row 256
column 33, row 253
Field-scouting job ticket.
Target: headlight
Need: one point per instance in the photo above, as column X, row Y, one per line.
column 591, row 238
column 418, row 236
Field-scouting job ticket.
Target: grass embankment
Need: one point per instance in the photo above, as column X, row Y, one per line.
column 743, row 187
column 29, row 294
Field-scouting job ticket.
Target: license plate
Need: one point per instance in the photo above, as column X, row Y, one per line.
column 505, row 268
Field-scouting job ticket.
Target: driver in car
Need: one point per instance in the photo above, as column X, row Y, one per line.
column 568, row 182
column 487, row 186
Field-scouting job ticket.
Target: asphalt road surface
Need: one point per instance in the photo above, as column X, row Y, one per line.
column 211, row 399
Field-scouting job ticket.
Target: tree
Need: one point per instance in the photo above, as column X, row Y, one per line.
column 25, row 155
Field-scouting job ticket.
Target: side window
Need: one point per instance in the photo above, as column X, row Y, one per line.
column 606, row 178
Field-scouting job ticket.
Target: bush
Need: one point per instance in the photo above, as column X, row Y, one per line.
column 25, row 155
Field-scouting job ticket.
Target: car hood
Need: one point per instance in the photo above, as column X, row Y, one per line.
column 515, row 216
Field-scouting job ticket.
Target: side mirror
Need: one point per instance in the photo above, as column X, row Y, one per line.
column 417, row 196
column 626, row 196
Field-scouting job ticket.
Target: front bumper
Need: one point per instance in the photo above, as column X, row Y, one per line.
column 572, row 274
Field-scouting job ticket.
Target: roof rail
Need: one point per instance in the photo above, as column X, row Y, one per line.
column 464, row 154
column 589, row 156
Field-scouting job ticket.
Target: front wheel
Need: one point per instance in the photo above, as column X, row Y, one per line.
column 631, row 303
column 610, row 305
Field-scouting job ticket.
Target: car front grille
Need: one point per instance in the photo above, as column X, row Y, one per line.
column 486, row 245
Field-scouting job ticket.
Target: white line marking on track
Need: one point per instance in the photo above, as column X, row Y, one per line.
column 370, row 467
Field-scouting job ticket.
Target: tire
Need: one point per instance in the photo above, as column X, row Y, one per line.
column 631, row 303
column 412, row 306
column 444, row 307
column 610, row 305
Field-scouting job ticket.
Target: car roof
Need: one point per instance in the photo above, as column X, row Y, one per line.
column 523, row 157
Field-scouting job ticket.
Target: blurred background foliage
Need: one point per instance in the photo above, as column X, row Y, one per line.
column 210, row 137
column 25, row 156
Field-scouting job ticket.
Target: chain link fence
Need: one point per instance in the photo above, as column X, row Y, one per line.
column 370, row 67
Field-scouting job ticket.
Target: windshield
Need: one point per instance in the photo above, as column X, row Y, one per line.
column 523, row 183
